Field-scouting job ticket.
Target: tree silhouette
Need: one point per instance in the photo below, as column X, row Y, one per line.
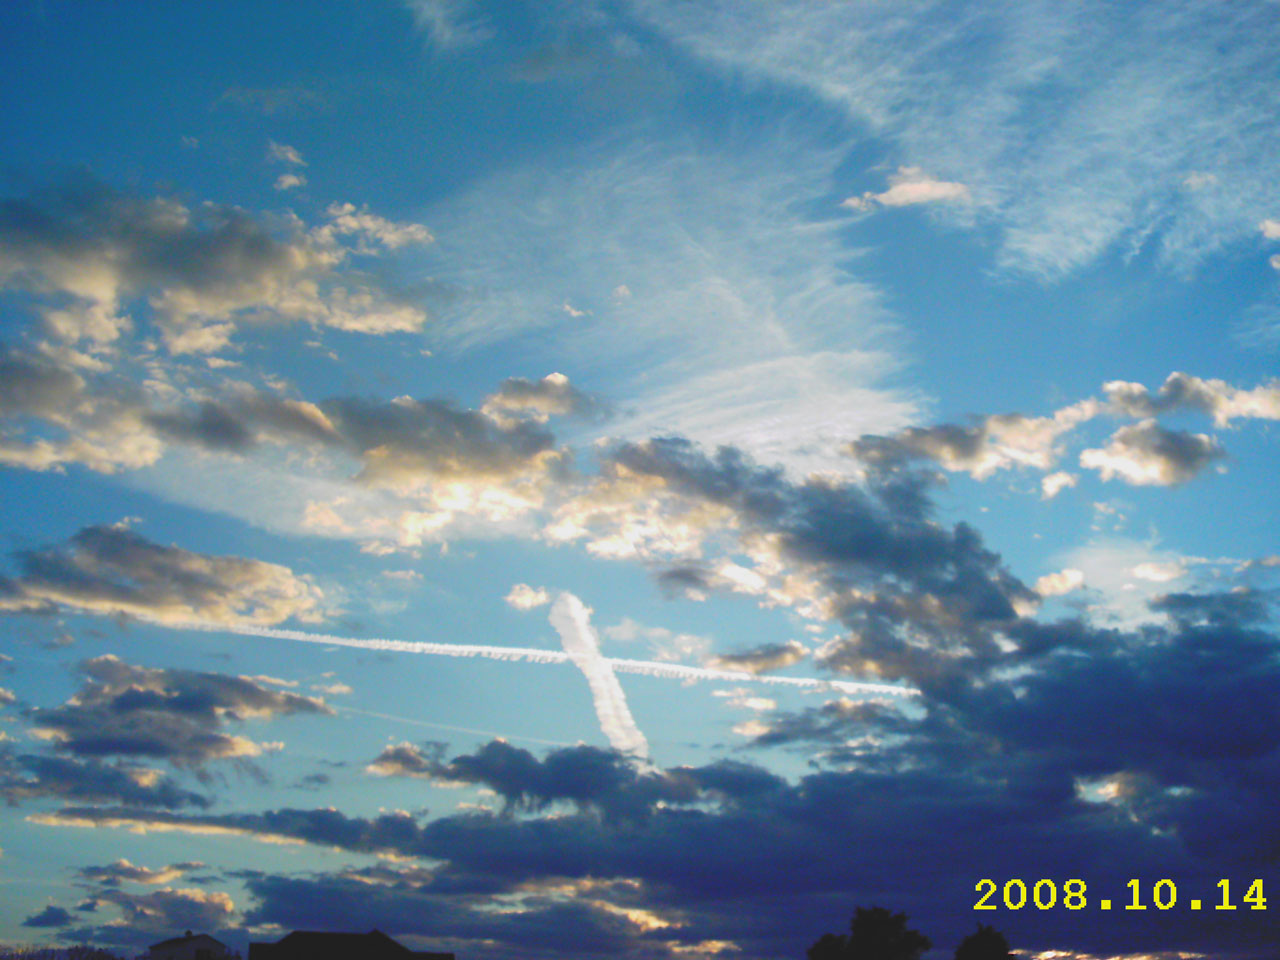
column 986, row 943
column 875, row 934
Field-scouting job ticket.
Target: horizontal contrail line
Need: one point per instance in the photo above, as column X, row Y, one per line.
column 649, row 668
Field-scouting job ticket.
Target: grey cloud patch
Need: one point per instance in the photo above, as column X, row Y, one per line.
column 174, row 715
column 50, row 916
column 1147, row 454
column 114, row 570
column 907, row 586
column 770, row 656
column 30, row 776
column 122, row 871
column 539, row 400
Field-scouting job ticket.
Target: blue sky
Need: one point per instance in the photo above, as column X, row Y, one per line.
column 827, row 451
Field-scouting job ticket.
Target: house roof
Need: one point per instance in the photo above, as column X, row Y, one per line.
column 173, row 941
column 319, row 944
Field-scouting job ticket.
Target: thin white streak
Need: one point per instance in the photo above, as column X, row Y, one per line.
column 649, row 668
column 448, row 726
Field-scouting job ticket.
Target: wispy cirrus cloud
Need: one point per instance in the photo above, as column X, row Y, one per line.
column 1073, row 142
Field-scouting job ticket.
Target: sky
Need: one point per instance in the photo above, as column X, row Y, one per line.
column 640, row 478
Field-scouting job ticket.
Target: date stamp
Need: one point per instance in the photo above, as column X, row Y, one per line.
column 1074, row 894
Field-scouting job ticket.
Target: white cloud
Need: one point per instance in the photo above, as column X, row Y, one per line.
column 1160, row 572
column 1270, row 229
column 789, row 352
column 525, row 597
column 283, row 153
column 907, row 187
column 1056, row 584
column 1054, row 483
column 290, row 181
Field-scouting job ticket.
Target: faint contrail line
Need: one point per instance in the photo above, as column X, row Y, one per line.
column 649, row 668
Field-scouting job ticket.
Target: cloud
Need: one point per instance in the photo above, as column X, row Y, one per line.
column 1270, row 229
column 1147, row 454
column 122, row 871
column 539, row 400
column 1070, row 150
column 450, row 23
column 1180, row 391
column 525, row 597
column 907, row 187
column 115, row 571
column 996, row 442
column 770, row 656
column 1054, row 483
column 163, row 911
column 283, row 153
column 870, row 554
column 201, row 272
column 1063, row 581
column 31, row 776
column 790, row 355
column 174, row 715
column 1159, row 572
column 290, row 181
column 286, row 98
column 50, row 916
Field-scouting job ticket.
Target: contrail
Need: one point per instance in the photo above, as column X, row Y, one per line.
column 572, row 621
column 649, row 668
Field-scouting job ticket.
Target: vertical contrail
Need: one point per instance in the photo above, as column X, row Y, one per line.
column 572, row 621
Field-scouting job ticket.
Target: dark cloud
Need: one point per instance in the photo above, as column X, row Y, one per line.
column 50, row 916
column 405, row 442
column 769, row 656
column 174, row 715
column 122, row 871
column 871, row 554
column 114, row 570
column 162, row 912
column 29, row 776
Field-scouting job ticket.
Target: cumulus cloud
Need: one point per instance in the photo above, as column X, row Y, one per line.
column 173, row 715
column 995, row 442
column 1054, row 483
column 1147, row 454
column 122, row 871
column 163, row 911
column 907, row 187
column 770, row 656
column 539, row 400
column 114, row 570
column 1063, row 581
column 1180, row 391
column 290, row 181
column 525, row 597
column 870, row 554
column 30, row 776
column 200, row 272
column 50, row 916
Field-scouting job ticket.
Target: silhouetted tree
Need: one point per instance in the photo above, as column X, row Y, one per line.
column 830, row 946
column 986, row 943
column 875, row 934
